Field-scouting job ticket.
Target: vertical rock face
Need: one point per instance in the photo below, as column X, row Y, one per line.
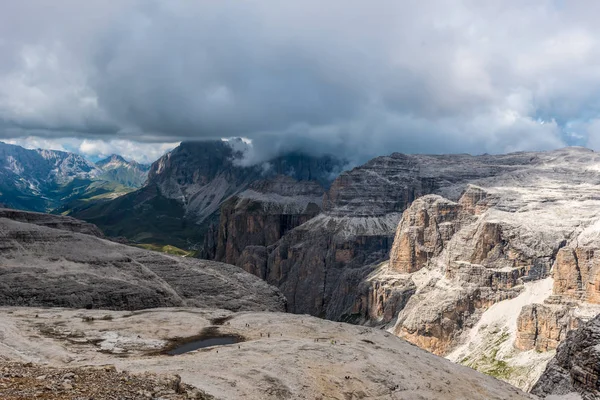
column 317, row 264
column 381, row 299
column 478, row 235
column 577, row 274
column 312, row 264
column 261, row 215
column 542, row 327
column 575, row 367
column 383, row 185
column 426, row 226
column 503, row 233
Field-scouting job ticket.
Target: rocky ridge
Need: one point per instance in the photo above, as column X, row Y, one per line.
column 54, row 261
column 128, row 173
column 340, row 248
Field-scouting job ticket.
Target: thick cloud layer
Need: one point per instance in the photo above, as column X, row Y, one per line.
column 346, row 76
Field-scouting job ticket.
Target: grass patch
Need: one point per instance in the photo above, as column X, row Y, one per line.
column 167, row 249
column 489, row 363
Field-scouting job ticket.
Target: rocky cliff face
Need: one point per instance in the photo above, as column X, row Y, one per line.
column 263, row 213
column 481, row 263
column 543, row 326
column 575, row 368
column 483, row 231
column 49, row 261
column 319, row 265
column 576, row 273
column 426, row 227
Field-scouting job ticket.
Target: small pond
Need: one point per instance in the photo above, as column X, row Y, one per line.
column 209, row 337
column 202, row 343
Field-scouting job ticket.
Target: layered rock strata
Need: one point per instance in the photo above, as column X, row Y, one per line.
column 52, row 264
column 575, row 368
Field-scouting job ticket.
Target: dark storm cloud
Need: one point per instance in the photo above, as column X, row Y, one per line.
column 351, row 77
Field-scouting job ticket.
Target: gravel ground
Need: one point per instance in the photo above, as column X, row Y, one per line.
column 21, row 381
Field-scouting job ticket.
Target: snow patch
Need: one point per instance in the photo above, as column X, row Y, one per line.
column 491, row 340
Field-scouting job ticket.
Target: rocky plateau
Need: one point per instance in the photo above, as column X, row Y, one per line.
column 282, row 356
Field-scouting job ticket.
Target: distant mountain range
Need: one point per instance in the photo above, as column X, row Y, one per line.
column 180, row 203
column 49, row 180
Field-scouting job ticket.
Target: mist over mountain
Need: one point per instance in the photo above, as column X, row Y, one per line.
column 186, row 187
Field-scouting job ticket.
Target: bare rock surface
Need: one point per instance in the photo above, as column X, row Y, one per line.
column 283, row 356
column 577, row 272
column 499, row 219
column 262, row 214
column 575, row 368
column 46, row 265
column 489, row 234
column 543, row 326
column 51, row 221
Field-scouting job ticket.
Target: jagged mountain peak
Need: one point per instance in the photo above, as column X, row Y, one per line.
column 128, row 173
column 116, row 161
column 44, row 180
column 113, row 158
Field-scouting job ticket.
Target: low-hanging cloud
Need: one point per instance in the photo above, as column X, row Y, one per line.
column 348, row 77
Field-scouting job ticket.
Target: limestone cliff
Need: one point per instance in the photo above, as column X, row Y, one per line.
column 516, row 249
column 577, row 273
column 424, row 230
column 575, row 368
column 496, row 223
column 263, row 213
column 542, row 326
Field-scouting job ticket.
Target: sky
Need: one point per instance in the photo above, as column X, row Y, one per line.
column 353, row 78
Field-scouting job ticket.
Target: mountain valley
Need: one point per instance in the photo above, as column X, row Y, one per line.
column 489, row 261
column 58, row 181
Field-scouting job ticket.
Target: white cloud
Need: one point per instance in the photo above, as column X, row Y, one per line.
column 361, row 78
column 140, row 152
column 95, row 149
